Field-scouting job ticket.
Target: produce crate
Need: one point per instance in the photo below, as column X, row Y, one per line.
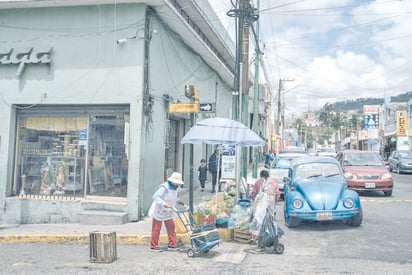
column 241, row 235
column 209, row 219
column 103, row 247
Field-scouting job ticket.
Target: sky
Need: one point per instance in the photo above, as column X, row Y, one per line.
column 328, row 51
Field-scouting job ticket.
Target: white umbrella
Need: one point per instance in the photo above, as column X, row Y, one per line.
column 219, row 130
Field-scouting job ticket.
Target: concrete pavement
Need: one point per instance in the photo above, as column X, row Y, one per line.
column 129, row 233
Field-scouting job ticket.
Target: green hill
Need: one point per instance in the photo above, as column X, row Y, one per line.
column 357, row 104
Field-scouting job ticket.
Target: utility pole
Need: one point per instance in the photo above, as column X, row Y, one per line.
column 244, row 7
column 280, row 120
column 245, row 14
column 256, row 94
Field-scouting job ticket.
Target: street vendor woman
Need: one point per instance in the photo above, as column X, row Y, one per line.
column 264, row 195
column 162, row 210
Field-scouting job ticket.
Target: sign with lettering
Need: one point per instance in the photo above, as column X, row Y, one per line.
column 23, row 57
column 401, row 123
column 371, row 109
column 183, row 108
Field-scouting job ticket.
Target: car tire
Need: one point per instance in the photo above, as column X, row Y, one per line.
column 356, row 220
column 388, row 193
column 291, row 222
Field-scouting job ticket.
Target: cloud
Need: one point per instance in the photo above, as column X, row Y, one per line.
column 334, row 50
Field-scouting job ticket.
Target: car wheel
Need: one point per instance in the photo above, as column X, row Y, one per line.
column 388, row 193
column 356, row 220
column 291, row 222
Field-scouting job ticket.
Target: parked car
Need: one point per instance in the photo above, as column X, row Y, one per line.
column 400, row 161
column 365, row 171
column 316, row 191
column 281, row 166
column 278, row 172
column 326, row 152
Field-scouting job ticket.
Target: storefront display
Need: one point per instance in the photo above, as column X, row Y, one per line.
column 52, row 152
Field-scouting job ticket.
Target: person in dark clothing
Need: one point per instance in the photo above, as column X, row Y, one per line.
column 202, row 173
column 214, row 160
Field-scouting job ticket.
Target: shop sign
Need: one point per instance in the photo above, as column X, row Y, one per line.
column 371, row 121
column 371, row 109
column 23, row 57
column 183, row 108
column 83, row 134
column 401, row 123
column 191, row 92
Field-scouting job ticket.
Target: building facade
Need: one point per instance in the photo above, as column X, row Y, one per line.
column 395, row 127
column 85, row 94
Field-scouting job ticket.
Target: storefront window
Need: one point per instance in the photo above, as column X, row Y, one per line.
column 52, row 152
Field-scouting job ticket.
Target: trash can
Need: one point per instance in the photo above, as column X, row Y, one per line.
column 103, row 247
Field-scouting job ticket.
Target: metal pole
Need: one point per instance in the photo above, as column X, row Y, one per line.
column 245, row 78
column 192, row 123
column 256, row 96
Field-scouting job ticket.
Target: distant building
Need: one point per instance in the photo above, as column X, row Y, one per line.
column 395, row 129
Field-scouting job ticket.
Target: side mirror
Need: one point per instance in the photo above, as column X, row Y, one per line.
column 289, row 185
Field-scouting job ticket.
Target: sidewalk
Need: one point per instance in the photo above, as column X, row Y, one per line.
column 129, row 233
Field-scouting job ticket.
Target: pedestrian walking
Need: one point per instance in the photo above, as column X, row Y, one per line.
column 264, row 195
column 202, row 173
column 215, row 167
column 162, row 210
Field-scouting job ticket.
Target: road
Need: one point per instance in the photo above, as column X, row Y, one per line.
column 381, row 245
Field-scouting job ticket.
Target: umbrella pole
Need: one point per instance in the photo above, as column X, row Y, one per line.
column 237, row 170
column 218, row 174
column 217, row 177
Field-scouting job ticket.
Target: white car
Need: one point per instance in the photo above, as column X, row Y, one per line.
column 326, row 152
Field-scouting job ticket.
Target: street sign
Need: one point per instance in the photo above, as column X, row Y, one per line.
column 183, row 108
column 206, row 107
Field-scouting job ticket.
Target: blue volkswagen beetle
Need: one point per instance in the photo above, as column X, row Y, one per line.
column 316, row 190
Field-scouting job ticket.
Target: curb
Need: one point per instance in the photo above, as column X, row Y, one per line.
column 132, row 239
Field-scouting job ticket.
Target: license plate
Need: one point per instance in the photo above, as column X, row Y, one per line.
column 324, row 216
column 369, row 185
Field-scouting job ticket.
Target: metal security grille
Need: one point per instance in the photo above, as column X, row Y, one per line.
column 369, row 177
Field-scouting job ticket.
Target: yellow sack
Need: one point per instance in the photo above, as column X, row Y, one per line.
column 179, row 226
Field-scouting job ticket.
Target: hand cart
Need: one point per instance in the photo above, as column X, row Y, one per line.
column 202, row 237
column 270, row 233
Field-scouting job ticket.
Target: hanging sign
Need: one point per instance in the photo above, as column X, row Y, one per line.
column 183, row 108
column 401, row 123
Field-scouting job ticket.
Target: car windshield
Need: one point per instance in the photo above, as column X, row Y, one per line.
column 326, row 150
column 316, row 169
column 362, row 159
column 283, row 163
column 407, row 154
